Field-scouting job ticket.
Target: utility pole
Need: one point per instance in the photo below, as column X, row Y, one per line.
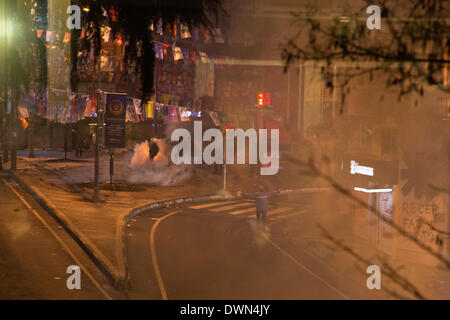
column 14, row 101
column 99, row 109
column 5, row 125
column 111, row 166
column 29, row 132
column 5, row 76
column 96, row 195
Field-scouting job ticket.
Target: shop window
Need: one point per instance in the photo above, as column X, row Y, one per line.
column 385, row 209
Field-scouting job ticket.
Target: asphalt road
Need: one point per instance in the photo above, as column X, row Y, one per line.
column 219, row 251
column 35, row 253
column 215, row 250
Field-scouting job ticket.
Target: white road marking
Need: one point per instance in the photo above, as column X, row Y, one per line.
column 158, row 276
column 299, row 264
column 236, row 212
column 213, row 204
column 61, row 242
column 234, row 206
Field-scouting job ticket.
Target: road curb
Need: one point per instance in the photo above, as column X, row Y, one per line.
column 116, row 276
column 169, row 203
column 119, row 276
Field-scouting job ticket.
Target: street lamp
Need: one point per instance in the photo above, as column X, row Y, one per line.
column 7, row 31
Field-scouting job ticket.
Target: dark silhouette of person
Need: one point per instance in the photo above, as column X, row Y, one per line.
column 153, row 148
column 78, row 142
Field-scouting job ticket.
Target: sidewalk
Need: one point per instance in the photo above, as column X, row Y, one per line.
column 66, row 190
column 432, row 282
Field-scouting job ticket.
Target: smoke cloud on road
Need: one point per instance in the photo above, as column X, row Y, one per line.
column 159, row 170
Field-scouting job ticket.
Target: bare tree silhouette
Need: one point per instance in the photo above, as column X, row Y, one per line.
column 409, row 53
column 411, row 49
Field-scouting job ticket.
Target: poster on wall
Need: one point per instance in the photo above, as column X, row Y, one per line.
column 422, row 210
column 115, row 120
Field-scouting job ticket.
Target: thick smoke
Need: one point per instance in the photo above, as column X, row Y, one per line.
column 159, row 170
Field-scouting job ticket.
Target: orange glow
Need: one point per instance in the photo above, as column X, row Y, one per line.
column 24, row 123
column 263, row 99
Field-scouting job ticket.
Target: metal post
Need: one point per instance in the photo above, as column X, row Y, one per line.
column 65, row 141
column 96, row 195
column 111, row 166
column 334, row 91
column 14, row 101
column 51, row 136
column 5, row 78
column 301, row 118
column 224, row 177
column 5, row 134
column 29, row 132
column 288, row 105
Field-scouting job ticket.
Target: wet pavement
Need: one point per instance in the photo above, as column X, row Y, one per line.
column 33, row 261
column 219, row 250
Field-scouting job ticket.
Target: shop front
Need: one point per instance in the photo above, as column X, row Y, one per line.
column 375, row 182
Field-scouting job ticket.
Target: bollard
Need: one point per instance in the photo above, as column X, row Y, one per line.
column 111, row 168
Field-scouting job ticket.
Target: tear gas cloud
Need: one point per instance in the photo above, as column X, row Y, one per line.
column 157, row 171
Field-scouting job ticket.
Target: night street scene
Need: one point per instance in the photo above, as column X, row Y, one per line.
column 224, row 150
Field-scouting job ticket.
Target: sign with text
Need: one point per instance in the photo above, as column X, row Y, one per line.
column 115, row 120
column 358, row 170
column 421, row 217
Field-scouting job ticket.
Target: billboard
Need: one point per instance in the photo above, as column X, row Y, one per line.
column 116, row 105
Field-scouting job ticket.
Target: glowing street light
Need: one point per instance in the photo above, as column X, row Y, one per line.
column 6, row 29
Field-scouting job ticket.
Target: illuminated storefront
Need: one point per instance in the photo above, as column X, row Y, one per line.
column 375, row 182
